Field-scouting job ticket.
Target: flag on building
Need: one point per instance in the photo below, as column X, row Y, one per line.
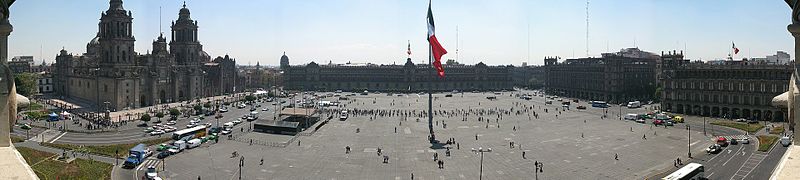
column 409, row 48
column 735, row 50
column 436, row 49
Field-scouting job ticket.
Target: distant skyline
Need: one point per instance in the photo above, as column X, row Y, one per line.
column 368, row 31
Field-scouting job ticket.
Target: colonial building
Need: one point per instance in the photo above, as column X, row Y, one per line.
column 734, row 89
column 528, row 76
column 399, row 78
column 615, row 77
column 110, row 71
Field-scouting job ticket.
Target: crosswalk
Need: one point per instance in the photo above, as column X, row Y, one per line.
column 738, row 137
column 148, row 163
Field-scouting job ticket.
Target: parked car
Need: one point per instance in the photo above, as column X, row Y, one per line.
column 745, row 141
column 172, row 122
column 714, row 148
column 191, row 125
column 641, row 121
column 225, row 131
column 264, row 109
column 658, row 122
column 157, row 132
column 581, row 107
column 734, row 142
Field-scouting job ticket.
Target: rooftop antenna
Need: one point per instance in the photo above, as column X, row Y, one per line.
column 587, row 28
column 159, row 20
column 634, row 42
column 528, row 59
column 456, row 43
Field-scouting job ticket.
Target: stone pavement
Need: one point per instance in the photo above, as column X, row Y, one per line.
column 577, row 144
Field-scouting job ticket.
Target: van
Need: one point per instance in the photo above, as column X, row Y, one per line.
column 194, row 143
column 786, row 141
column 179, row 145
column 631, row 117
column 634, row 104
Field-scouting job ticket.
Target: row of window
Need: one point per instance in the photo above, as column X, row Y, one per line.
column 758, row 100
column 731, row 86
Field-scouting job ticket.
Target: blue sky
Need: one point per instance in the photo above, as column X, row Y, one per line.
column 376, row 31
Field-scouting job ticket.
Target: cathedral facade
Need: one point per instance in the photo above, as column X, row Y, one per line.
column 111, row 73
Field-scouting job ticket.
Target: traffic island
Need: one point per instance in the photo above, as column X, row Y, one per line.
column 45, row 165
column 121, row 150
column 751, row 128
column 765, row 142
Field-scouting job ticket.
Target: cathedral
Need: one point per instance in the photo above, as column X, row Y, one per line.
column 111, row 73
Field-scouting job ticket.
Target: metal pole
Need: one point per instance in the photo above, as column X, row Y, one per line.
column 430, row 97
column 704, row 126
column 480, row 176
column 689, row 141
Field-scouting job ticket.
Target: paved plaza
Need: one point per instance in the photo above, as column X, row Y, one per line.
column 572, row 144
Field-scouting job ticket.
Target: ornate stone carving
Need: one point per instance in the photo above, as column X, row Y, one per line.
column 795, row 5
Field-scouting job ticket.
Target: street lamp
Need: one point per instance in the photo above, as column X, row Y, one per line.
column 481, row 151
column 704, row 126
column 689, row 141
column 241, row 163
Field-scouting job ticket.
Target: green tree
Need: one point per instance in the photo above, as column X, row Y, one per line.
column 159, row 115
column 250, row 98
column 207, row 105
column 657, row 95
column 174, row 112
column 26, row 83
column 145, row 118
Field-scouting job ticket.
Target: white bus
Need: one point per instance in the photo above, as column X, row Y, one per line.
column 692, row 171
column 197, row 131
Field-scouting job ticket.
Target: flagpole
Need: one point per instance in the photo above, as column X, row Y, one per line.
column 430, row 95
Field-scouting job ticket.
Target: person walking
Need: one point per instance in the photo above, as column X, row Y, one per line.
column 616, row 156
column 523, row 155
column 644, row 136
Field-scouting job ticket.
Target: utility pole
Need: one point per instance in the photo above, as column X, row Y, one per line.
column 689, row 141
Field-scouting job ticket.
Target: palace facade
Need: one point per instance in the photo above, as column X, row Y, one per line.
column 409, row 77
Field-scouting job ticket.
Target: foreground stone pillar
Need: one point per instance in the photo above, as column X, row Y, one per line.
column 794, row 91
column 7, row 112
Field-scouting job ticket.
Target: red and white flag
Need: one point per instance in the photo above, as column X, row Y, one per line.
column 436, row 49
column 735, row 50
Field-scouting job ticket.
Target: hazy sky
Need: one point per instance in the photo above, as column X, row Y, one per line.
column 377, row 31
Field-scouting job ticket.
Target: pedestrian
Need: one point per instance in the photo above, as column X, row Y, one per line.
column 476, row 137
column 616, row 157
column 412, row 176
column 644, row 136
column 435, row 156
column 395, row 129
column 458, row 146
column 523, row 155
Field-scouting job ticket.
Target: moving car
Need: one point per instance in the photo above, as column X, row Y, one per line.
column 714, row 148
column 745, row 141
column 581, row 107
column 193, row 143
column 722, row 141
column 157, row 132
column 786, row 141
column 734, row 142
column 631, row 116
column 164, row 154
column 151, row 172
column 172, row 122
column 640, row 121
column 678, row 119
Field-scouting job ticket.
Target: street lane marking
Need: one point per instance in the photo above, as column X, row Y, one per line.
column 729, row 159
column 57, row 137
column 694, row 143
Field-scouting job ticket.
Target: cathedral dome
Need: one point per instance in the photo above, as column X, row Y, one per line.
column 184, row 13
column 95, row 41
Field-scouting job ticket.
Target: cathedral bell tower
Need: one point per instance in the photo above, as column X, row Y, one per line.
column 184, row 44
column 116, row 35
